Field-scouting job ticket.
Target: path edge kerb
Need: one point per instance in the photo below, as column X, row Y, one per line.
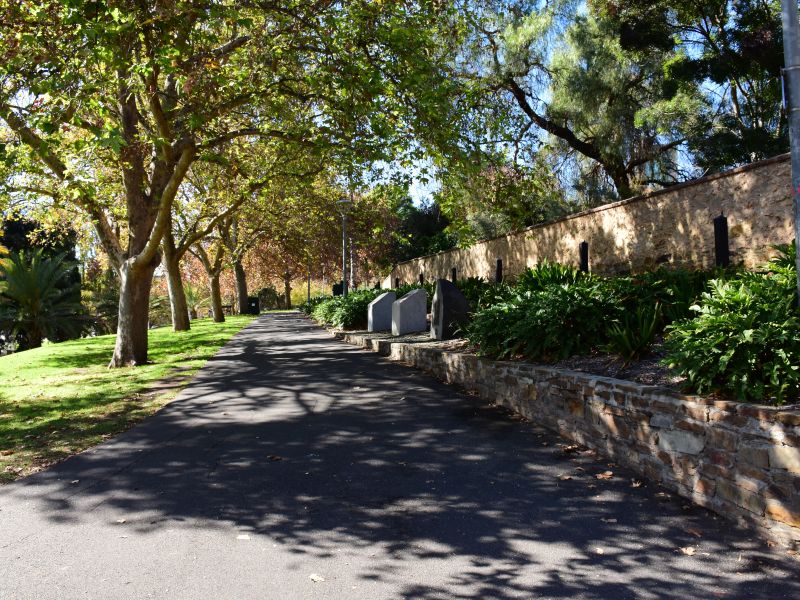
column 739, row 460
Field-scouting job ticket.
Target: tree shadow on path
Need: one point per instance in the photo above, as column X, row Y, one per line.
column 334, row 453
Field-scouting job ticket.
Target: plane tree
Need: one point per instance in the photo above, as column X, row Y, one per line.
column 149, row 88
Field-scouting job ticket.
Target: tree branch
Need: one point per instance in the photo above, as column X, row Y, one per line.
column 166, row 201
column 104, row 231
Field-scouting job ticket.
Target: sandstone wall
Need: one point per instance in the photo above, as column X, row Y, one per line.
column 739, row 460
column 672, row 227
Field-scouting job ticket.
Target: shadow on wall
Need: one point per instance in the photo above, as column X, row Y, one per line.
column 406, row 466
column 672, row 226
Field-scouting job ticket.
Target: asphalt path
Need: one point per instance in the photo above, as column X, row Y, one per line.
column 295, row 466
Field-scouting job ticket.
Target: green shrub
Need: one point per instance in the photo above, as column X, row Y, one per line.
column 675, row 290
column 308, row 306
column 744, row 341
column 787, row 255
column 546, row 273
column 323, row 310
column 346, row 312
column 482, row 294
column 351, row 312
column 556, row 322
column 632, row 337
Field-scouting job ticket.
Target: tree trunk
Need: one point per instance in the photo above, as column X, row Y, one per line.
column 287, row 289
column 621, row 179
column 177, row 295
column 33, row 339
column 241, row 287
column 216, row 299
column 134, row 313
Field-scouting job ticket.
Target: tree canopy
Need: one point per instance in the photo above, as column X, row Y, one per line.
column 222, row 134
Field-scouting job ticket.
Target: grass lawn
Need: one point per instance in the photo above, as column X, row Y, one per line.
column 60, row 399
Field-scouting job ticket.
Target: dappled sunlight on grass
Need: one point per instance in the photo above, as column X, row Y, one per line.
column 62, row 398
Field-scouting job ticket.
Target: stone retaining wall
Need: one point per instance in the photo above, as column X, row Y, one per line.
column 739, row 460
column 673, row 226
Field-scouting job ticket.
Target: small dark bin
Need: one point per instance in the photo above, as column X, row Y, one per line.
column 253, row 306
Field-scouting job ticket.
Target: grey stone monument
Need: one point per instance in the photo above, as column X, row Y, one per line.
column 379, row 312
column 450, row 309
column 410, row 313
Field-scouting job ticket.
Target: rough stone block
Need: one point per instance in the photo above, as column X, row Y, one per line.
column 409, row 313
column 659, row 420
column 785, row 457
column 727, row 490
column 449, row 310
column 379, row 312
column 681, row 441
column 722, row 439
column 758, row 457
column 705, row 486
column 789, row 417
column 691, row 425
column 697, row 412
column 719, row 457
column 782, row 512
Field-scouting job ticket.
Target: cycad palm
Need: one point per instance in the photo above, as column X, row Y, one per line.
column 38, row 300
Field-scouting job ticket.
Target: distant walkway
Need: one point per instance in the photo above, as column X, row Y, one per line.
column 296, row 466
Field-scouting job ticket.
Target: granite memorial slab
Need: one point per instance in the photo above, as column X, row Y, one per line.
column 379, row 312
column 410, row 313
column 450, row 310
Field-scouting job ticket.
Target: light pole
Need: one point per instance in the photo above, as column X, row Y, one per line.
column 791, row 59
column 308, row 256
column 344, row 204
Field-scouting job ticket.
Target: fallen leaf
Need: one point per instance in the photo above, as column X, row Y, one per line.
column 274, row 457
column 688, row 550
column 605, row 475
column 694, row 532
column 74, row 481
column 316, row 578
column 120, row 521
column 599, row 551
column 570, row 449
column 565, row 477
column 636, row 483
column 6, row 452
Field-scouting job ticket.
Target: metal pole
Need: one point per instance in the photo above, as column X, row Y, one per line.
column 791, row 58
column 344, row 254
